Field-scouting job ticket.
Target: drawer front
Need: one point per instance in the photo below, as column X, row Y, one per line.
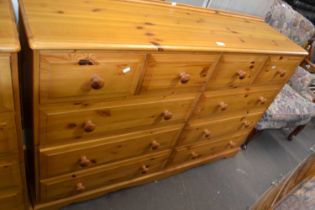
column 177, row 71
column 66, row 159
column 241, row 100
column 73, row 184
column 9, row 174
column 211, row 130
column 75, row 76
column 236, row 70
column 204, row 149
column 6, row 95
column 8, row 140
column 11, row 200
column 278, row 69
column 65, row 127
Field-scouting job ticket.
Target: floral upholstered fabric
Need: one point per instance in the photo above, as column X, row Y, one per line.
column 302, row 198
column 289, row 109
column 301, row 81
column 290, row 23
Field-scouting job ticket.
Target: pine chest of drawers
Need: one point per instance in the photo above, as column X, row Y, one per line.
column 12, row 171
column 120, row 93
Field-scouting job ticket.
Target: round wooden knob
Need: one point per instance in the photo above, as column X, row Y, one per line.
column 206, row 133
column 232, row 144
column 89, row 126
column 246, row 124
column 84, row 161
column 167, row 115
column 184, row 77
column 241, row 74
column 97, row 82
column 194, row 155
column 155, row 145
column 281, row 72
column 80, row 187
column 262, row 100
column 144, row 169
column 223, row 106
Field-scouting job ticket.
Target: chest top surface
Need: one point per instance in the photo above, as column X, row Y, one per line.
column 144, row 25
column 9, row 41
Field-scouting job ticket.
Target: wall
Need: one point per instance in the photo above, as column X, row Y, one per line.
column 251, row 7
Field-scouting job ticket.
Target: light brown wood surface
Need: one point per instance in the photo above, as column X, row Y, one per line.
column 13, row 190
column 66, row 185
column 74, row 157
column 120, row 88
column 125, row 25
column 66, row 126
column 210, row 130
column 6, row 91
column 9, row 41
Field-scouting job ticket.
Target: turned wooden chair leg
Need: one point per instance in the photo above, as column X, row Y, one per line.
column 296, row 131
column 249, row 138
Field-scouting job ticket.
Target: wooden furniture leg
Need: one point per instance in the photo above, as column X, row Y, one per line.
column 251, row 135
column 295, row 132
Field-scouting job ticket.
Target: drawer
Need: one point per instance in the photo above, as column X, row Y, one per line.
column 8, row 139
column 85, row 75
column 211, row 130
column 6, row 95
column 236, row 70
column 64, row 126
column 11, row 200
column 238, row 101
column 75, row 183
column 9, row 174
column 278, row 69
column 204, row 149
column 65, row 159
column 177, row 71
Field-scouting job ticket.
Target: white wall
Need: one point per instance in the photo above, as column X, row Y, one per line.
column 15, row 5
column 251, row 7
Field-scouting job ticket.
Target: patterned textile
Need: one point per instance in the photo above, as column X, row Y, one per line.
column 302, row 198
column 300, row 82
column 290, row 23
column 289, row 109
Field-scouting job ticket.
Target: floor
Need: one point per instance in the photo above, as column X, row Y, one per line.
column 233, row 183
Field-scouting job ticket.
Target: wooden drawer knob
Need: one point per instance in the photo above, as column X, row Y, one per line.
column 241, row 74
column 80, row 187
column 232, row 144
column 97, row 82
column 194, row 155
column 84, row 161
column 155, row 145
column 167, row 115
column 184, row 77
column 262, row 100
column 281, row 72
column 223, row 106
column 144, row 169
column 89, row 126
column 206, row 133
column 246, row 124
column 84, row 62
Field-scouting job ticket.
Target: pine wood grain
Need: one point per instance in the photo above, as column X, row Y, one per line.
column 9, row 41
column 123, row 25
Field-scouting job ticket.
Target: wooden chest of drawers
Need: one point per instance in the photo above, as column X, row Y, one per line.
column 119, row 93
column 12, row 171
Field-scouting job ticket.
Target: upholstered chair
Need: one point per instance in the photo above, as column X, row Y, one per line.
column 293, row 107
